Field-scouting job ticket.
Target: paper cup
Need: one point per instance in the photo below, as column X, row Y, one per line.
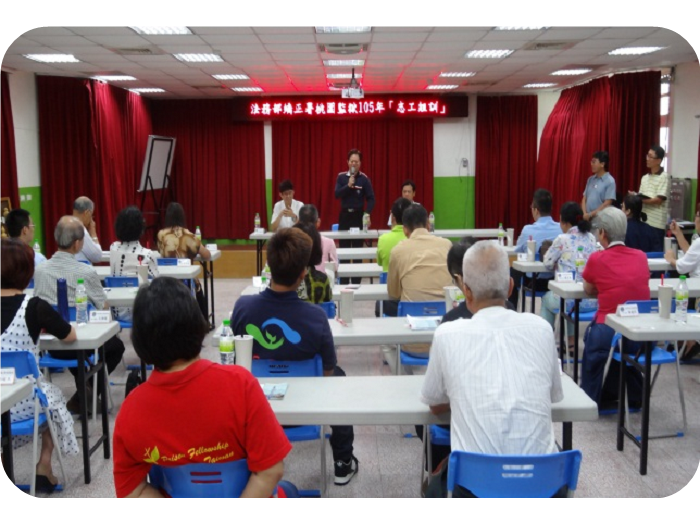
column 142, row 272
column 452, row 297
column 668, row 244
column 347, row 297
column 244, row 351
column 330, row 271
column 510, row 234
column 531, row 247
column 666, row 293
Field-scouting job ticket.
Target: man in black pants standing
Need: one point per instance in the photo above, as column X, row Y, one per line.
column 353, row 187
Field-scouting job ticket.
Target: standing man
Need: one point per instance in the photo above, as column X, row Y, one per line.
column 600, row 188
column 408, row 191
column 83, row 210
column 286, row 211
column 654, row 191
column 20, row 225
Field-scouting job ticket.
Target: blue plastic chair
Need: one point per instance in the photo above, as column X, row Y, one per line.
column 25, row 365
column 417, row 309
column 167, row 261
column 659, row 357
column 655, row 254
column 383, row 277
column 334, row 227
column 31, row 284
column 122, row 282
column 513, row 476
column 51, row 364
column 267, row 368
column 202, row 480
column 329, row 308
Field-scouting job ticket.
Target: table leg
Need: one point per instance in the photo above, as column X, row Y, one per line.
column 534, row 285
column 567, row 436
column 82, row 397
column 205, row 285
column 7, row 459
column 563, row 348
column 211, row 290
column 522, row 297
column 621, row 405
column 646, row 394
column 258, row 257
column 577, row 303
column 104, row 403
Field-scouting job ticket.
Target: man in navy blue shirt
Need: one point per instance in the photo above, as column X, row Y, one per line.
column 286, row 328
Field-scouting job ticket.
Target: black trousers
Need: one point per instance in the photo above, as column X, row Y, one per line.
column 346, row 220
column 541, row 284
column 390, row 308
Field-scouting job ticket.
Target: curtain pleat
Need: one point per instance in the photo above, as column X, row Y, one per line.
column 8, row 165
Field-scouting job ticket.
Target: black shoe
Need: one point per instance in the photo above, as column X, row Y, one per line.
column 344, row 471
column 73, row 405
column 691, row 353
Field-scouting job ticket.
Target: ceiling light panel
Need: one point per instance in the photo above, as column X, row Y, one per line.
column 571, row 72
column 339, row 76
column 155, row 30
column 247, row 89
column 343, row 63
column 198, row 57
column 634, row 50
column 489, row 53
column 115, row 78
column 538, row 86
column 442, row 86
column 357, row 29
column 509, row 28
column 456, row 75
column 231, row 77
column 147, row 90
column 54, row 58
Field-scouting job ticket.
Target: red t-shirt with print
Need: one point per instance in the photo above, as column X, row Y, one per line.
column 204, row 413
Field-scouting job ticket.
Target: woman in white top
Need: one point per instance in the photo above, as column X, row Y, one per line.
column 125, row 256
column 563, row 253
column 690, row 263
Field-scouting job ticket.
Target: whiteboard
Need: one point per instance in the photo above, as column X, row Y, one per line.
column 158, row 162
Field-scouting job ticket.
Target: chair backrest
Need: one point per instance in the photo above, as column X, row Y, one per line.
column 122, row 281
column 202, row 480
column 334, row 227
column 382, row 277
column 650, row 306
column 24, row 363
column 655, row 254
column 422, row 309
column 329, row 308
column 312, row 367
column 167, row 261
column 31, row 284
column 521, row 476
column 71, row 310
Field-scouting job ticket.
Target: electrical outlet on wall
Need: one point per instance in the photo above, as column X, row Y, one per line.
column 22, row 197
column 29, row 196
column 465, row 163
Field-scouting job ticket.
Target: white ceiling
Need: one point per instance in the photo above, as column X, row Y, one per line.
column 288, row 61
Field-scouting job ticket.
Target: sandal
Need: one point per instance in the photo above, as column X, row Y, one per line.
column 44, row 485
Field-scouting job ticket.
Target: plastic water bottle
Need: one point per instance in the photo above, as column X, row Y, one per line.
column 365, row 222
column 682, row 301
column 226, row 346
column 81, row 303
column 198, row 234
column 256, row 222
column 37, row 247
column 265, row 277
column 580, row 263
column 431, row 222
column 501, row 234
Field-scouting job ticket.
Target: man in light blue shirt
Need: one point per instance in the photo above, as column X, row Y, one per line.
column 600, row 188
column 19, row 224
column 544, row 228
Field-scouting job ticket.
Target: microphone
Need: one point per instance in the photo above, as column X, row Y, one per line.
column 352, row 171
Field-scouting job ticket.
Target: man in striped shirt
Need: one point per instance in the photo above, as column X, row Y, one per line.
column 654, row 191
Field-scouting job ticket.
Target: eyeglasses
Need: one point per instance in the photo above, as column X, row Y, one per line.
column 652, row 157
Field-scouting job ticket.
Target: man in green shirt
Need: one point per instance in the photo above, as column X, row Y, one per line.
column 386, row 243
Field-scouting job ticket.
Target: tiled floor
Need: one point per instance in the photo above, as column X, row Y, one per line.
column 390, row 462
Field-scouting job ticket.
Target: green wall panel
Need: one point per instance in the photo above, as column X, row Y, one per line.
column 454, row 202
column 30, row 199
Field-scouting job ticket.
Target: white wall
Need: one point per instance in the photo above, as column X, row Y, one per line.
column 685, row 121
column 25, row 119
column 545, row 104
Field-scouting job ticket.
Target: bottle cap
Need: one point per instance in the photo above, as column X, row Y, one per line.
column 81, row 281
column 227, row 322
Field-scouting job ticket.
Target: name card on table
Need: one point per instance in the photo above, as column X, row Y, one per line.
column 354, row 230
column 564, row 276
column 522, row 257
column 7, row 376
column 258, row 231
column 627, row 310
column 212, row 247
column 184, row 262
column 100, row 316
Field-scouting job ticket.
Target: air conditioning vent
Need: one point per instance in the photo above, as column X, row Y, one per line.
column 549, row 46
column 343, row 49
column 143, row 51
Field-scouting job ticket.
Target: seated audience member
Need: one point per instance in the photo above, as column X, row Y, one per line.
column 689, row 265
column 190, row 410
column 20, row 225
column 561, row 256
column 83, row 210
column 615, row 275
column 23, row 319
column 544, row 228
column 69, row 236
column 408, row 191
column 176, row 241
column 127, row 254
column 308, row 214
column 286, row 328
column 478, row 367
column 316, row 287
column 640, row 235
column 286, row 211
column 386, row 243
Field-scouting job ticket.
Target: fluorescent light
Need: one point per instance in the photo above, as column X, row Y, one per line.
column 358, row 29
column 147, row 90
column 231, row 77
column 155, row 30
column 198, row 57
column 489, row 53
column 571, row 72
column 538, row 86
column 509, row 28
column 114, row 78
column 247, row 89
column 634, row 50
column 340, row 76
column 442, row 86
column 343, row 63
column 54, row 58
column 456, row 75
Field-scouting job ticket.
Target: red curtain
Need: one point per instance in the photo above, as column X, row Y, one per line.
column 93, row 138
column 311, row 154
column 219, row 165
column 8, row 168
column 618, row 114
column 506, row 155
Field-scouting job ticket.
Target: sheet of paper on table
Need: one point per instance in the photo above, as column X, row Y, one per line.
column 275, row 391
column 423, row 323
